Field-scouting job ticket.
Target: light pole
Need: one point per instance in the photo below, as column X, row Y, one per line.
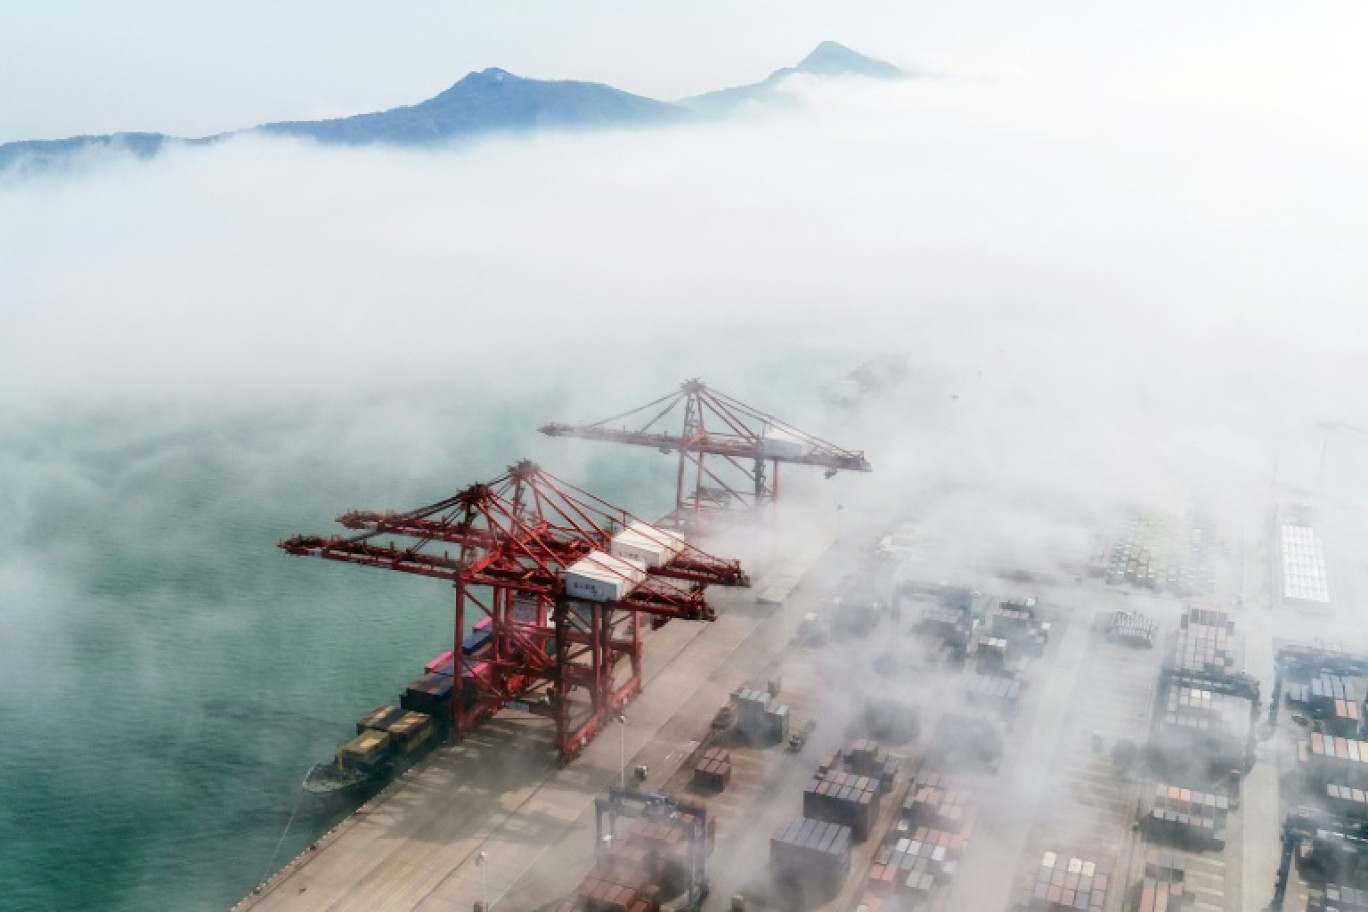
column 484, row 890
column 622, row 750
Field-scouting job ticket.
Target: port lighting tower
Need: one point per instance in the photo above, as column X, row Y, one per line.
column 540, row 560
column 729, row 452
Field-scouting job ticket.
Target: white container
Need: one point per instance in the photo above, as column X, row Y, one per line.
column 780, row 444
column 601, row 577
column 646, row 544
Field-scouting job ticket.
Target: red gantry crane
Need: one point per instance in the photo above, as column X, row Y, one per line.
column 739, row 439
column 562, row 577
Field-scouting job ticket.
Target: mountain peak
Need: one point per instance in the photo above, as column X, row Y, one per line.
column 489, row 76
column 832, row 59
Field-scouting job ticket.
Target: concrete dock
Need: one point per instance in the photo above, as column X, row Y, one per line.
column 493, row 817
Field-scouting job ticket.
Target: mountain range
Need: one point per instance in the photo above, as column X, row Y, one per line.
column 490, row 101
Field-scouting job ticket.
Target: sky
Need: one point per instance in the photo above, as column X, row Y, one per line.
column 1170, row 183
column 197, row 67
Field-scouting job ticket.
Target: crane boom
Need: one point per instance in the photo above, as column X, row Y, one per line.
column 729, row 452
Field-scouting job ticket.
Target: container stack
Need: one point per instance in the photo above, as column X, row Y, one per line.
column 667, row 838
column 1347, row 803
column 993, row 692
column 1339, row 760
column 1206, row 643
column 937, row 620
column 1162, row 888
column 1186, row 817
column 759, row 718
column 1194, row 719
column 602, row 891
column 811, row 852
column 1335, row 700
column 430, row 694
column 990, row 655
column 870, row 758
column 917, row 862
column 408, row 731
column 1016, row 621
column 1336, row 898
column 1141, row 553
column 938, row 801
column 845, row 799
column 1063, row 883
column 1131, row 628
column 712, row 773
column 365, row 753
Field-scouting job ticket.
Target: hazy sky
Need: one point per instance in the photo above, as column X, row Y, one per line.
column 198, row 67
column 1121, row 216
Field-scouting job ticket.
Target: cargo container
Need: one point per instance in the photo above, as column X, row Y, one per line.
column 646, row 544
column 777, row 443
column 844, row 798
column 1162, row 889
column 1131, row 628
column 1065, row 883
column 601, row 577
column 811, row 852
column 366, row 752
column 1334, row 897
column 407, row 730
column 1340, row 760
column 1187, row 817
column 1347, row 802
column 940, row 802
column 713, row 771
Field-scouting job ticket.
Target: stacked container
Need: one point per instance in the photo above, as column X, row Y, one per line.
column 1206, row 643
column 1063, row 883
column 1188, row 817
column 603, row 891
column 1336, row 898
column 603, row 577
column 713, row 771
column 647, row 545
column 408, row 731
column 1131, row 628
column 870, row 758
column 917, row 862
column 430, row 694
column 993, row 692
column 759, row 718
column 1347, row 803
column 365, row 753
column 1340, row 760
column 1016, row 622
column 1335, row 700
column 845, row 799
column 1162, row 889
column 938, row 802
column 813, row 852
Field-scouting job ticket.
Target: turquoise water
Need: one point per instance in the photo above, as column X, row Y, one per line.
column 168, row 676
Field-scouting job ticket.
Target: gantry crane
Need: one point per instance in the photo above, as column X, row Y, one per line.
column 740, row 439
column 538, row 557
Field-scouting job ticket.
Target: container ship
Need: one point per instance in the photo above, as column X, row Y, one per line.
column 389, row 739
